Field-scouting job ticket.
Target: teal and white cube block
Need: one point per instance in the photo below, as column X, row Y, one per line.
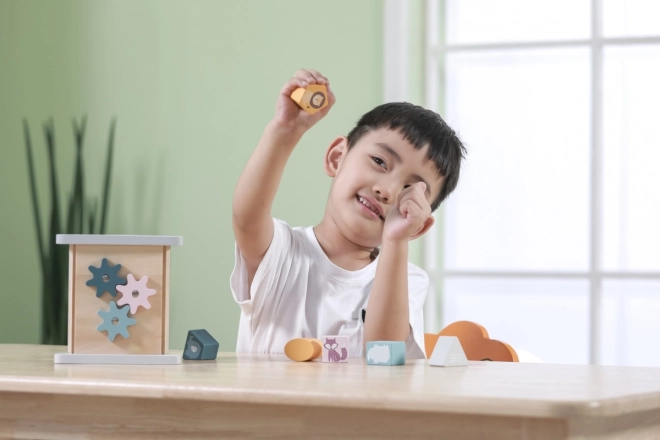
column 386, row 353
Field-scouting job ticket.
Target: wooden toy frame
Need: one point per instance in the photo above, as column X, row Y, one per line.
column 140, row 256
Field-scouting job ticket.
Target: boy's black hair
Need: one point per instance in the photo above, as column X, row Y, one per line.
column 420, row 127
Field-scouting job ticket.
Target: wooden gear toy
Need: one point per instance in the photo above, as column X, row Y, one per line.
column 132, row 328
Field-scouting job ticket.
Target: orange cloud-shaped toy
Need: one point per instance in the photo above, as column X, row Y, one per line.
column 475, row 341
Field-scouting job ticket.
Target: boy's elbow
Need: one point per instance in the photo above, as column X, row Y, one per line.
column 240, row 222
column 240, row 214
column 247, row 216
column 252, row 227
column 247, row 222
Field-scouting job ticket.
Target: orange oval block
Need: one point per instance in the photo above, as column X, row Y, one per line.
column 300, row 349
column 318, row 347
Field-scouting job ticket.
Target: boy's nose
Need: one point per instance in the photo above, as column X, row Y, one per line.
column 384, row 194
column 386, row 191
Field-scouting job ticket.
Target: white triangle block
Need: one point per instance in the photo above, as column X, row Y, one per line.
column 448, row 352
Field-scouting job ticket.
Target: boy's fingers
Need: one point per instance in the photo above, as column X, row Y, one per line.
column 417, row 216
column 409, row 201
column 419, row 188
column 292, row 85
column 320, row 79
column 403, row 207
column 411, row 191
column 414, row 195
column 311, row 76
column 410, row 210
column 302, row 73
column 306, row 76
column 331, row 98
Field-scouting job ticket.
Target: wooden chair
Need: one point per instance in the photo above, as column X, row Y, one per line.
column 475, row 341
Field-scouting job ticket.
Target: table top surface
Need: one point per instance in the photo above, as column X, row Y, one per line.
column 486, row 388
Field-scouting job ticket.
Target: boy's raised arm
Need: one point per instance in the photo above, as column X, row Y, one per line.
column 258, row 183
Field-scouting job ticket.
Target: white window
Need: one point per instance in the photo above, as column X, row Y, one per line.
column 552, row 238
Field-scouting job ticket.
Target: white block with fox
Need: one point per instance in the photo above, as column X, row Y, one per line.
column 335, row 348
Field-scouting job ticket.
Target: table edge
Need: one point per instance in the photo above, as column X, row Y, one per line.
column 455, row 405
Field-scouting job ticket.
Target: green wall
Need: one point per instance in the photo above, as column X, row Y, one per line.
column 192, row 85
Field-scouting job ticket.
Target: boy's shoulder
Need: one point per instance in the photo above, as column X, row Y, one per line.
column 296, row 232
column 300, row 239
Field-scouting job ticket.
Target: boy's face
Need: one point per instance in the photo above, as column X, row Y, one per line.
column 376, row 170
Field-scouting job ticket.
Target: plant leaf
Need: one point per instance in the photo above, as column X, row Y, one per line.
column 78, row 190
column 108, row 172
column 33, row 193
column 91, row 214
column 53, row 270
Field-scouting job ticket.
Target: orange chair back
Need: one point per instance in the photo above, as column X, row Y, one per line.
column 475, row 342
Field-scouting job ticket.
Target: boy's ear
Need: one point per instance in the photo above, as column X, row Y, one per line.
column 425, row 227
column 334, row 155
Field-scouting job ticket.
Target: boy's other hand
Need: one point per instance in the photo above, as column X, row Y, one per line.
column 409, row 217
column 288, row 115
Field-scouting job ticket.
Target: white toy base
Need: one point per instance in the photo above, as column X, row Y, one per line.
column 118, row 359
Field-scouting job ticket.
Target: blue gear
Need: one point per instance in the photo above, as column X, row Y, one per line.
column 122, row 321
column 106, row 278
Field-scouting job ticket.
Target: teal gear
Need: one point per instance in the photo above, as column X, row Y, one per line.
column 106, row 278
column 115, row 321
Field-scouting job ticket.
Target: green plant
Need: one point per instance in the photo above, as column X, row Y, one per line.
column 82, row 217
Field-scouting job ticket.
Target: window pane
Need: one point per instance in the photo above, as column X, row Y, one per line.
column 630, row 322
column 631, row 18
column 522, row 201
column 487, row 21
column 547, row 318
column 631, row 136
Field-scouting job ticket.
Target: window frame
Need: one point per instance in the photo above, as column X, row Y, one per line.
column 397, row 29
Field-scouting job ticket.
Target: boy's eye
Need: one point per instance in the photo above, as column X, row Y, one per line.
column 406, row 186
column 379, row 161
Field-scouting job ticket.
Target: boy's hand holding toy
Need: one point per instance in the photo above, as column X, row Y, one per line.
column 303, row 101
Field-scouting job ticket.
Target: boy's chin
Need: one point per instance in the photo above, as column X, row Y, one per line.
column 362, row 233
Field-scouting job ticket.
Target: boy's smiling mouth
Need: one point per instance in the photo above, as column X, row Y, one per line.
column 371, row 206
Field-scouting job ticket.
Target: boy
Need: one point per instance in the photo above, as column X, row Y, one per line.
column 389, row 174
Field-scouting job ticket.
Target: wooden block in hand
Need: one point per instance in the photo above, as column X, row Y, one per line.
column 312, row 98
column 335, row 349
column 303, row 349
column 386, row 353
column 200, row 345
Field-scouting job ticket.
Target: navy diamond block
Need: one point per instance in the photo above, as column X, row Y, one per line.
column 200, row 345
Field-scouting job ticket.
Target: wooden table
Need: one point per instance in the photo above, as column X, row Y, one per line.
column 245, row 396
